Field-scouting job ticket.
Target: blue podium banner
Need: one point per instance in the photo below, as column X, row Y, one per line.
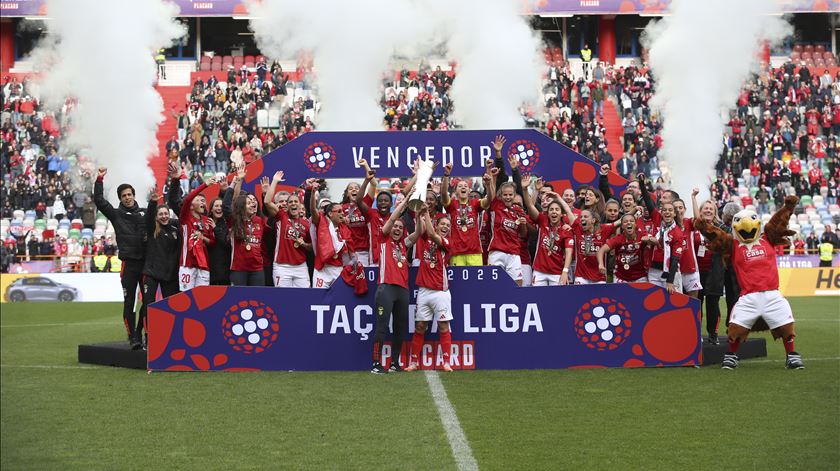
column 497, row 325
column 391, row 154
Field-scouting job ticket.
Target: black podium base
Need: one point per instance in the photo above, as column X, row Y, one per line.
column 113, row 354
column 752, row 348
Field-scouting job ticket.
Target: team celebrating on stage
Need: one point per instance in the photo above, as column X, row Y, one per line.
column 517, row 222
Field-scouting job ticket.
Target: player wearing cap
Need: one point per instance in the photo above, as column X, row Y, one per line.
column 434, row 302
column 392, row 292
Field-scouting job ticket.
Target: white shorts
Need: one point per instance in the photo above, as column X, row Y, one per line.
column 324, row 278
column 433, row 304
column 290, row 276
column 655, row 277
column 545, row 279
column 640, row 280
column 583, row 281
column 527, row 275
column 691, row 282
column 189, row 278
column 769, row 305
column 511, row 263
column 363, row 257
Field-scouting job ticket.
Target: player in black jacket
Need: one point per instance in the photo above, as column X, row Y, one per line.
column 129, row 221
column 160, row 269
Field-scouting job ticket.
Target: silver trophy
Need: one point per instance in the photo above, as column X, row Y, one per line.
column 424, row 174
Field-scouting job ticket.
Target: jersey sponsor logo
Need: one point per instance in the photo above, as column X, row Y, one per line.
column 319, row 157
column 755, row 252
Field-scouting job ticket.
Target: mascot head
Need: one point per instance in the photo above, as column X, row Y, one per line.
column 746, row 226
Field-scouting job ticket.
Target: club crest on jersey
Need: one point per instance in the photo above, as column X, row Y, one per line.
column 319, row 157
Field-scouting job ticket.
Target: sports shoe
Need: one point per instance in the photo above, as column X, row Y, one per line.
column 713, row 339
column 411, row 367
column 446, row 367
column 730, row 361
column 396, row 368
column 145, row 341
column 794, row 362
column 378, row 369
column 134, row 343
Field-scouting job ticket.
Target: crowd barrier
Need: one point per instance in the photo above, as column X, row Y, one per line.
column 105, row 287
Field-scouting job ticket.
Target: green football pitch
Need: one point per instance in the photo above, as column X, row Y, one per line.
column 58, row 414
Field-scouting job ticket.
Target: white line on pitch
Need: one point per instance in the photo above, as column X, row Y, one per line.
column 6, row 326
column 54, row 367
column 461, row 450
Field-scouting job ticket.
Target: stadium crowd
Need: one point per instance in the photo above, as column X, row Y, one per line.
column 781, row 139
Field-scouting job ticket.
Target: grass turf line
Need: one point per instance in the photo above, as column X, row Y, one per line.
column 653, row 418
column 110, row 418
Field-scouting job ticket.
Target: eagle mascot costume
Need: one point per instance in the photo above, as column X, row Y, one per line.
column 752, row 254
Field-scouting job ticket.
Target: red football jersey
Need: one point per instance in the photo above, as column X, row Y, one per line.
column 551, row 246
column 359, row 236
column 191, row 224
column 586, row 249
column 465, row 225
column 246, row 254
column 505, row 235
column 393, row 261
column 755, row 266
column 288, row 231
column 432, row 271
column 375, row 221
column 673, row 237
column 688, row 260
column 630, row 260
column 704, row 256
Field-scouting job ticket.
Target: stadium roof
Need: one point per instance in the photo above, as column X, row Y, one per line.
column 559, row 8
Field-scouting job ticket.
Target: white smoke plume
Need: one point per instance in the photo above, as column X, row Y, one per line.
column 104, row 58
column 499, row 65
column 700, row 57
column 352, row 43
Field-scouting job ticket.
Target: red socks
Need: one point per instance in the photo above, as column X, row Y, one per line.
column 733, row 345
column 416, row 347
column 446, row 345
column 788, row 343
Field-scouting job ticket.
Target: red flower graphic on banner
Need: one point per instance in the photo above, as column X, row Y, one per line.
column 250, row 327
column 526, row 152
column 319, row 157
column 603, row 324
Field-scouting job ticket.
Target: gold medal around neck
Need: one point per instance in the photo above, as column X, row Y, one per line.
column 626, row 266
column 399, row 264
column 247, row 246
column 432, row 265
column 463, row 228
column 297, row 245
